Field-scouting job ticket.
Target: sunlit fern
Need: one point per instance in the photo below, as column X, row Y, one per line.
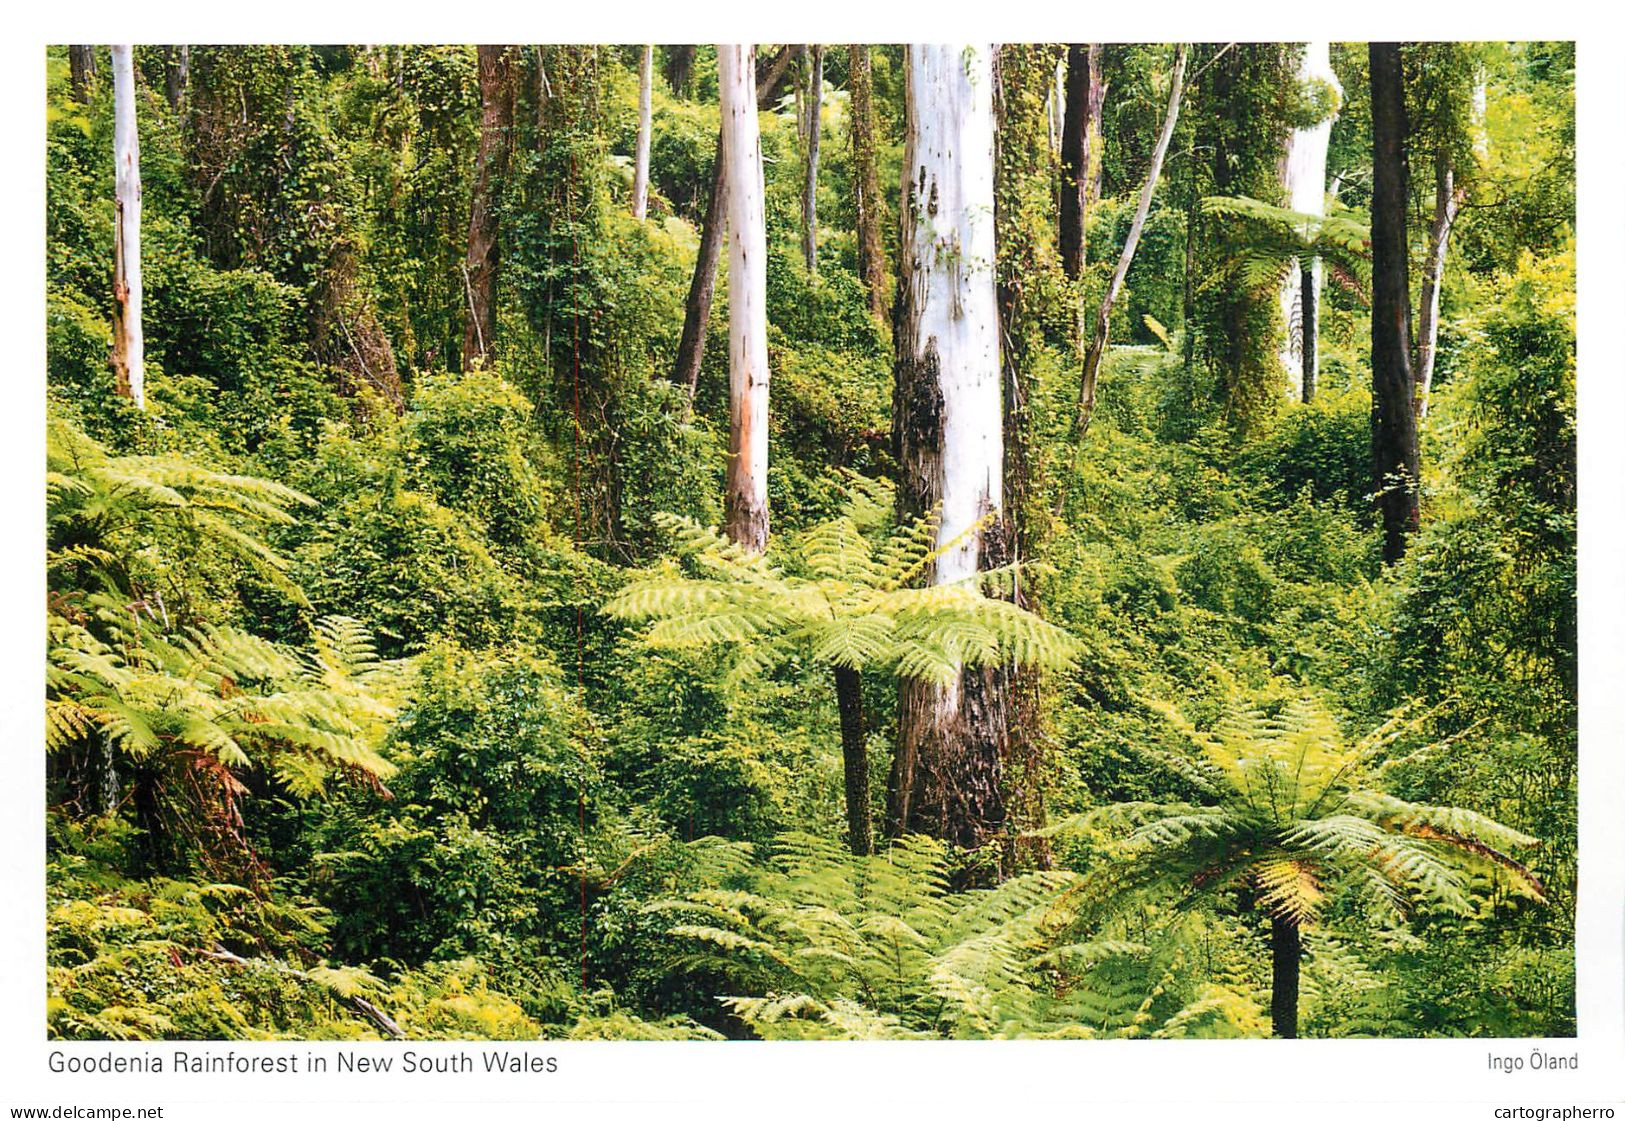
column 1271, row 241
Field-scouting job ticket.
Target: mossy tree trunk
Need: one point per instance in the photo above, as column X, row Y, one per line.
column 855, row 760
column 866, row 194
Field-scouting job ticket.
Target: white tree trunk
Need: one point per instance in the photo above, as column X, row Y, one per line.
column 948, row 423
column 948, row 264
column 747, row 514
column 129, row 348
column 1303, row 179
column 640, row 177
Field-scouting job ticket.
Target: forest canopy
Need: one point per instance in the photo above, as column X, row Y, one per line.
column 793, row 541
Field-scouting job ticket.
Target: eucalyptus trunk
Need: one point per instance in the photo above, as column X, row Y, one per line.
column 1395, row 460
column 746, row 513
column 129, row 342
column 947, row 773
column 640, row 173
column 702, row 286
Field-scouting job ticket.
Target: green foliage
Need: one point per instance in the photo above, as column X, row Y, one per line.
column 844, row 602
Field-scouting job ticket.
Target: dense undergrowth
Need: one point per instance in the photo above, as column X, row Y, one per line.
column 344, row 745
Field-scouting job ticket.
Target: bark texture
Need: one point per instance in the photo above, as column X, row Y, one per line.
column 1080, row 150
column 177, row 73
column 855, row 759
column 1395, row 462
column 81, row 72
column 746, row 514
column 866, row 194
column 946, row 777
column 490, row 169
column 702, row 287
column 129, row 342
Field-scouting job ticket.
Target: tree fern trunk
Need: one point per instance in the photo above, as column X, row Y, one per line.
column 1286, row 960
column 1310, row 279
column 855, row 757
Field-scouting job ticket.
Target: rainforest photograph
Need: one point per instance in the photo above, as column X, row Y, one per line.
column 809, row 541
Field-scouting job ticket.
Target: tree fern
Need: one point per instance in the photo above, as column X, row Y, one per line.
column 1289, row 825
column 842, row 600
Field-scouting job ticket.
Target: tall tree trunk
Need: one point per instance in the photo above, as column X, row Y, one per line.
column 680, row 68
column 866, row 182
column 490, row 169
column 129, row 345
column 1286, row 958
column 812, row 127
column 640, row 173
column 702, row 287
column 947, row 772
column 1025, row 161
column 855, row 758
column 1080, row 150
column 177, row 72
column 746, row 500
column 1102, row 332
column 1447, row 198
column 1396, row 465
column 81, row 72
column 1303, row 181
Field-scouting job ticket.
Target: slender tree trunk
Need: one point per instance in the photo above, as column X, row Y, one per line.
column 1309, row 280
column 1303, row 180
column 1286, row 959
column 865, row 182
column 680, row 68
column 1080, row 150
column 771, row 76
column 746, row 501
column 129, row 345
column 640, row 174
column 1396, row 465
column 702, row 287
column 81, row 72
column 177, row 73
column 1102, row 333
column 1447, row 200
column 490, row 169
column 947, row 772
column 809, row 187
column 855, row 757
